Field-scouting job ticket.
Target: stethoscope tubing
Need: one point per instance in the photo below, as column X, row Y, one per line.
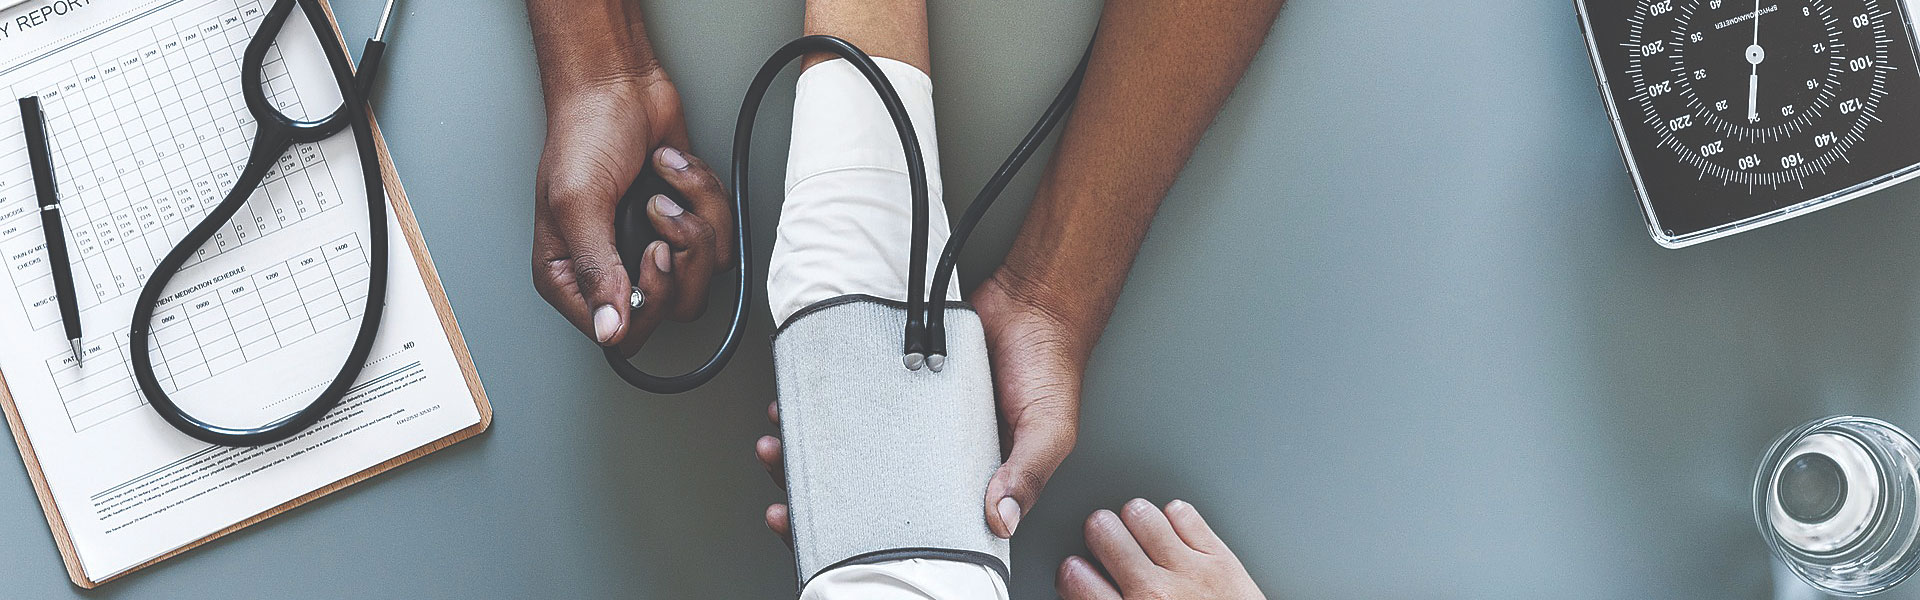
column 913, row 341
column 962, row 229
column 275, row 134
column 924, row 335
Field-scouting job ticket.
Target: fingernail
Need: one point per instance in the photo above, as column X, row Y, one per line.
column 666, row 206
column 662, row 258
column 672, row 158
column 1009, row 514
column 606, row 322
column 1179, row 505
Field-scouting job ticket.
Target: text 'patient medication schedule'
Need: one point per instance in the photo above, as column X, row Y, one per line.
column 148, row 129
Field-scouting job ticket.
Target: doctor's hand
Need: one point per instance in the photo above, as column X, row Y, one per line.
column 1038, row 356
column 1037, row 359
column 599, row 137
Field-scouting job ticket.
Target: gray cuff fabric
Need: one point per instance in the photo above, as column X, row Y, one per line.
column 883, row 463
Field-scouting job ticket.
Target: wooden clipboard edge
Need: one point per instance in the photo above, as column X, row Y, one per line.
column 403, row 211
column 410, row 230
column 61, row 539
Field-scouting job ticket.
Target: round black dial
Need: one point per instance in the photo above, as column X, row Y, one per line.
column 1761, row 94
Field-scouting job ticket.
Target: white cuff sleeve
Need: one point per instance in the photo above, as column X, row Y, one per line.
column 910, row 579
column 847, row 221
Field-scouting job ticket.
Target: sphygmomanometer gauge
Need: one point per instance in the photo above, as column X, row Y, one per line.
column 1735, row 114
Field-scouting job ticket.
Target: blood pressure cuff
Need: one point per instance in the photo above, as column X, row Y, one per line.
column 884, row 463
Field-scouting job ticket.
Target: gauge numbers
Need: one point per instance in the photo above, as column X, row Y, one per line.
column 1733, row 114
column 1766, row 93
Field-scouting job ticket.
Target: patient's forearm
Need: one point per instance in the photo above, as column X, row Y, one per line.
column 895, row 29
column 1159, row 73
column 587, row 43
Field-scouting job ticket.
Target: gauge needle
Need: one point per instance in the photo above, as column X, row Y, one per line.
column 1755, row 56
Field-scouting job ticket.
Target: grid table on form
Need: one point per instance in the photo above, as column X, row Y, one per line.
column 245, row 335
column 146, row 140
column 199, row 335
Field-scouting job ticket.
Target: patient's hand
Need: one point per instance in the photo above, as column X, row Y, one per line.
column 1170, row 555
column 773, row 459
column 600, row 134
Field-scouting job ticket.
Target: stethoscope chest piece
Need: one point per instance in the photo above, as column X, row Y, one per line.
column 632, row 231
column 1838, row 500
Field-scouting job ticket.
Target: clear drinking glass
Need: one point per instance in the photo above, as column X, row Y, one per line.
column 1836, row 500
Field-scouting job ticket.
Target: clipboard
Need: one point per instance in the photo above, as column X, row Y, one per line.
column 410, row 229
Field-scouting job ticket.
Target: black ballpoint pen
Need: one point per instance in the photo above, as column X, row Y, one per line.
column 41, row 155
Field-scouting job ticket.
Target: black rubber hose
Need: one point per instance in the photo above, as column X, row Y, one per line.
column 1056, row 112
column 276, row 134
column 914, row 339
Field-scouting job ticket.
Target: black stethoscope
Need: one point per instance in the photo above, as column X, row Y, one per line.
column 925, row 343
column 276, row 134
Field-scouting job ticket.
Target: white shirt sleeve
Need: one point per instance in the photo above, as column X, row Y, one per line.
column 847, row 220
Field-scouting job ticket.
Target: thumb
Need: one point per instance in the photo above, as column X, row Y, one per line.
column 584, row 220
column 1041, row 441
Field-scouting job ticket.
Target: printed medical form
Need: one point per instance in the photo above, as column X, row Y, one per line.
column 148, row 130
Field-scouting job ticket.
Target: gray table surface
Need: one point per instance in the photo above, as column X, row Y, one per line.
column 1399, row 332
